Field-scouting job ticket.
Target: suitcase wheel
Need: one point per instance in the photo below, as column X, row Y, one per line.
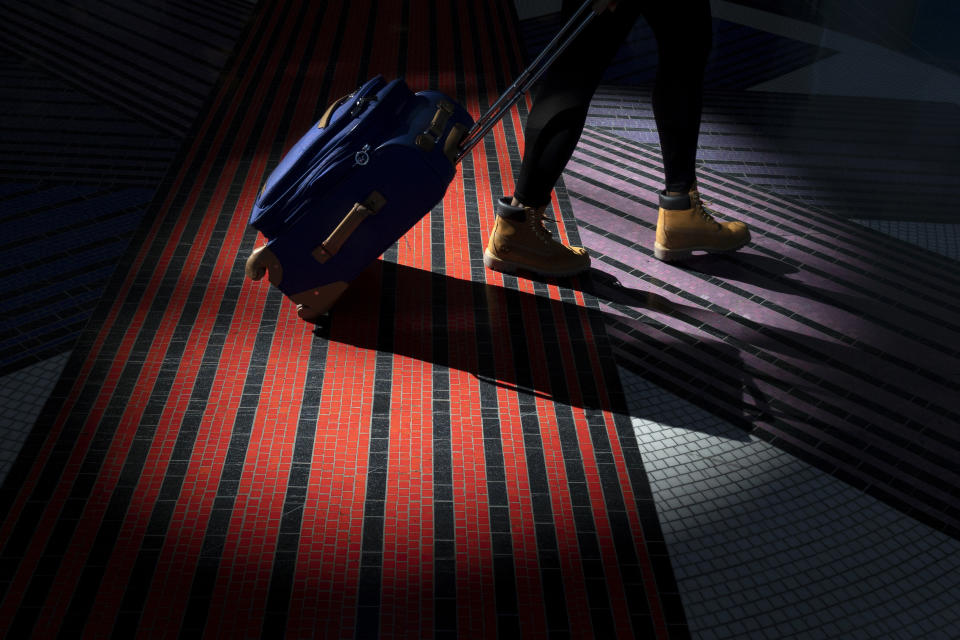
column 314, row 303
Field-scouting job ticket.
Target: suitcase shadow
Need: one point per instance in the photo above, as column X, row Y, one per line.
column 541, row 348
column 527, row 343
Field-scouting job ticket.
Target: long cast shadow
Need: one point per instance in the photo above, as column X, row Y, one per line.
column 477, row 316
column 816, row 390
column 659, row 339
column 474, row 320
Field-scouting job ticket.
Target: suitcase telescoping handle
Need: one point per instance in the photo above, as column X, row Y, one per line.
column 528, row 78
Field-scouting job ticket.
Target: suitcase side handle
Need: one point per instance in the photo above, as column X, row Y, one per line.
column 360, row 212
column 325, row 118
column 428, row 139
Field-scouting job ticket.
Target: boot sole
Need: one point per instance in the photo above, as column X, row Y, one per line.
column 496, row 264
column 660, row 252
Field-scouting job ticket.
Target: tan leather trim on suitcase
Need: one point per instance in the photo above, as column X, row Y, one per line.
column 313, row 303
column 428, row 139
column 451, row 147
column 424, row 142
column 325, row 118
column 439, row 122
column 360, row 212
column 262, row 260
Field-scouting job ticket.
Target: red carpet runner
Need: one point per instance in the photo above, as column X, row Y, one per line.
column 449, row 457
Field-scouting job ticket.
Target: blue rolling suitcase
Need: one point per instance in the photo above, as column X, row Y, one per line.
column 376, row 162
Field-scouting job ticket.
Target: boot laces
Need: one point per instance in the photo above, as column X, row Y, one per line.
column 537, row 219
column 700, row 207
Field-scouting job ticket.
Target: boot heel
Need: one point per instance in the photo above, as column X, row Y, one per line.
column 491, row 261
column 669, row 255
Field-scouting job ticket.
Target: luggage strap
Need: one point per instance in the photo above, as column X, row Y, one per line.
column 360, row 212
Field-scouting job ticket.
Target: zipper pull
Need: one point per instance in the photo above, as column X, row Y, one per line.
column 362, row 157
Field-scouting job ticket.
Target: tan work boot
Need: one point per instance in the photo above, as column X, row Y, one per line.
column 685, row 226
column 520, row 241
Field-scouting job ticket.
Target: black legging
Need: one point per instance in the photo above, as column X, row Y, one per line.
column 683, row 30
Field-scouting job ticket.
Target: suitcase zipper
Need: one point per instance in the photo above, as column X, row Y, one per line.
column 362, row 157
column 332, row 170
column 360, row 105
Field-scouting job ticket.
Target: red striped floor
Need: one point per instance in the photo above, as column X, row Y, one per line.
column 452, row 457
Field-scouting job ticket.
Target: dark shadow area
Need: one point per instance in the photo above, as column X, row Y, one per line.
column 834, row 398
column 820, row 150
column 768, row 274
column 912, row 27
column 895, row 330
column 474, row 317
column 725, row 266
column 501, row 313
column 635, row 64
column 689, row 342
column 831, row 371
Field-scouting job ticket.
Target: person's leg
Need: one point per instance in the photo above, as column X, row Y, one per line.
column 562, row 100
column 519, row 240
column 684, row 30
column 684, row 33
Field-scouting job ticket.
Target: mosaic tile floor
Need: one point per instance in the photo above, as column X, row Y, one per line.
column 807, row 337
column 763, row 446
column 767, row 546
